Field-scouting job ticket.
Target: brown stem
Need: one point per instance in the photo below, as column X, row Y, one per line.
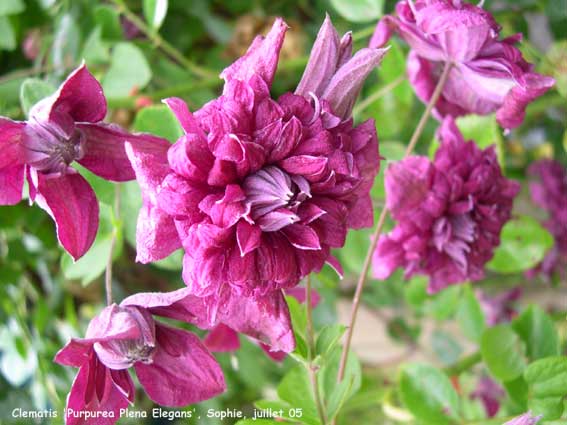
column 362, row 278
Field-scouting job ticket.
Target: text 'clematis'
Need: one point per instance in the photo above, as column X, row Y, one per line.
column 173, row 365
column 488, row 74
column 258, row 190
column 450, row 212
column 62, row 129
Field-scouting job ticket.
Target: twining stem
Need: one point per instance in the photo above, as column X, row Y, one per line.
column 160, row 42
column 361, row 106
column 363, row 274
column 108, row 273
column 312, row 368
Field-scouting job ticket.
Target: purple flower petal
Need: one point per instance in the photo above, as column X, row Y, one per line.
column 105, row 154
column 182, row 372
column 156, row 234
column 80, row 96
column 261, row 58
column 222, row 339
column 11, row 162
column 72, row 203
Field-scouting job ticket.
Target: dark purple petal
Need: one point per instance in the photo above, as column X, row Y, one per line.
column 105, row 154
column 80, row 96
column 72, row 203
column 183, row 371
column 248, row 237
column 11, row 161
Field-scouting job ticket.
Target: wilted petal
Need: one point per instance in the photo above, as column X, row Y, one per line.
column 72, row 203
column 513, row 110
column 183, row 371
column 261, row 58
column 105, row 154
column 322, row 62
column 342, row 90
column 263, row 318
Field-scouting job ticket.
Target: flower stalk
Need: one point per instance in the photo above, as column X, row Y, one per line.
column 312, row 369
column 375, row 236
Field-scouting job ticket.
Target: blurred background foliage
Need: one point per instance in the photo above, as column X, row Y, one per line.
column 143, row 51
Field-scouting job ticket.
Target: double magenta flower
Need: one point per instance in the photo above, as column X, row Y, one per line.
column 488, row 74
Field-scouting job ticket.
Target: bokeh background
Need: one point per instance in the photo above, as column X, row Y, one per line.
column 141, row 57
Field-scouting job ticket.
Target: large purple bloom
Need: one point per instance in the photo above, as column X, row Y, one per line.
column 489, row 74
column 450, row 212
column 259, row 191
column 172, row 365
column 61, row 129
column 549, row 191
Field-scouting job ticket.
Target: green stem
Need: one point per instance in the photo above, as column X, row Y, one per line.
column 464, row 364
column 362, row 105
column 312, row 369
column 160, row 42
column 363, row 274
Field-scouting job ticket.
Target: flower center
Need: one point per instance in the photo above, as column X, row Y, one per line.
column 49, row 150
column 453, row 235
column 274, row 197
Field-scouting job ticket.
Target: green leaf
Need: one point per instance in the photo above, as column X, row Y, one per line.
column 518, row 391
column 66, row 44
column 428, row 394
column 502, row 351
column 130, row 204
column 154, row 12
column 328, row 338
column 129, row 71
column 295, row 389
column 359, row 10
column 32, row 91
column 443, row 305
column 445, row 346
column 158, row 120
column 16, row 365
column 523, row 244
column 547, row 380
column 538, row 331
column 108, row 19
column 7, row 35
column 95, row 51
column 173, row 261
column 93, row 263
column 299, row 322
column 11, row 7
column 353, row 253
column 469, row 315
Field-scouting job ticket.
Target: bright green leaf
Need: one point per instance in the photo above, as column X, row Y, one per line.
column 538, row 331
column 32, row 91
column 295, row 389
column 359, row 10
column 503, row 353
column 108, row 19
column 129, row 71
column 547, row 380
column 469, row 315
column 328, row 337
column 154, row 12
column 11, row 7
column 158, row 120
column 428, row 394
column 523, row 244
column 7, row 35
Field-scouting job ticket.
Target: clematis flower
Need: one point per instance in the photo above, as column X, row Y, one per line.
column 488, row 74
column 499, row 308
column 449, row 212
column 258, row 191
column 62, row 129
column 172, row 365
column 525, row 419
column 490, row 394
column 549, row 191
column 223, row 339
